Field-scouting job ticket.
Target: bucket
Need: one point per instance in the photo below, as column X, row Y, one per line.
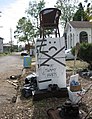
column 27, row 61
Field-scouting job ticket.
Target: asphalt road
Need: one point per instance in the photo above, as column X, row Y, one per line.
column 9, row 65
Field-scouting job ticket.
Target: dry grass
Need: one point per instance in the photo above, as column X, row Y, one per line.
column 78, row 64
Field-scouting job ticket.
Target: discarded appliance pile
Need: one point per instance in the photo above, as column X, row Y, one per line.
column 71, row 108
column 75, row 90
column 50, row 60
column 29, row 85
column 85, row 73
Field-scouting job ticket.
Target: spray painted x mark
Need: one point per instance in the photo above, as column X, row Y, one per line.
column 52, row 57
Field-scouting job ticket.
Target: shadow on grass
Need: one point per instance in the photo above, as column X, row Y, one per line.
column 38, row 109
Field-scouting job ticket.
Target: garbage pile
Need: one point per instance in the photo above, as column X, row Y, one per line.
column 69, row 110
column 85, row 73
column 29, row 85
column 66, row 111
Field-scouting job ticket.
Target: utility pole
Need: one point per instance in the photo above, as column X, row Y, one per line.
column 11, row 37
column 1, row 16
column 0, row 13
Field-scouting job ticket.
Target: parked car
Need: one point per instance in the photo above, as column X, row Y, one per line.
column 68, row 54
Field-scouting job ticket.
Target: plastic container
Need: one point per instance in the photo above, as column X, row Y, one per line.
column 27, row 61
column 75, row 97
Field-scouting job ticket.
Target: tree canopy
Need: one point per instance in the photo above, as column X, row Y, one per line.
column 27, row 27
column 71, row 10
column 24, row 30
column 67, row 10
column 81, row 14
column 34, row 10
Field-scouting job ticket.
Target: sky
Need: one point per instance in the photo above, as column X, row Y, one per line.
column 12, row 11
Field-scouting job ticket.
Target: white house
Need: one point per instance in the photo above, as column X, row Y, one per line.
column 77, row 32
column 1, row 45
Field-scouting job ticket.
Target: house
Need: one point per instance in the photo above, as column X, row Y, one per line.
column 7, row 47
column 1, row 45
column 77, row 32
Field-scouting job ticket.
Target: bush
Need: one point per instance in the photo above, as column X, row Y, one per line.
column 85, row 53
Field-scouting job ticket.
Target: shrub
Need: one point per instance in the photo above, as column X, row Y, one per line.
column 85, row 52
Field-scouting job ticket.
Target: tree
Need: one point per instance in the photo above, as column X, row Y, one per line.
column 84, row 12
column 85, row 53
column 24, row 30
column 67, row 10
column 80, row 14
column 34, row 10
column 89, row 11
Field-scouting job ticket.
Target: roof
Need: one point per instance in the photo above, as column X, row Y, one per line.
column 1, row 38
column 81, row 24
column 6, row 45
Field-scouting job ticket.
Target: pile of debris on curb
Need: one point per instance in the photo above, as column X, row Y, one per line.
column 85, row 73
column 26, row 108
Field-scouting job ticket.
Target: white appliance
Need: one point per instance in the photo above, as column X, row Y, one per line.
column 50, row 62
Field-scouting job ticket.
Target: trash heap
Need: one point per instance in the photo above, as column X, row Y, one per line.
column 30, row 85
column 50, row 68
column 75, row 90
column 66, row 111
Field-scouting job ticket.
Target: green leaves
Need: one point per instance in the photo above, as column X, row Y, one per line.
column 83, row 14
column 28, row 27
column 85, row 52
column 67, row 10
column 34, row 10
column 24, row 30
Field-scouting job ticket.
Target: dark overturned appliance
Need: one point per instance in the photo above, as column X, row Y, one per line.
column 69, row 111
column 26, row 91
column 29, row 86
column 66, row 111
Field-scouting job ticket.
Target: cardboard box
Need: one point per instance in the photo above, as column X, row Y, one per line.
column 75, row 88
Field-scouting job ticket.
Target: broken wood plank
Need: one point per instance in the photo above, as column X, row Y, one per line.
column 11, row 82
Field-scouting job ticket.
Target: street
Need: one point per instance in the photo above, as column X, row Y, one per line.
column 9, row 65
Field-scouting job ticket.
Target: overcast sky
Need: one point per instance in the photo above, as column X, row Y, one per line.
column 12, row 11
